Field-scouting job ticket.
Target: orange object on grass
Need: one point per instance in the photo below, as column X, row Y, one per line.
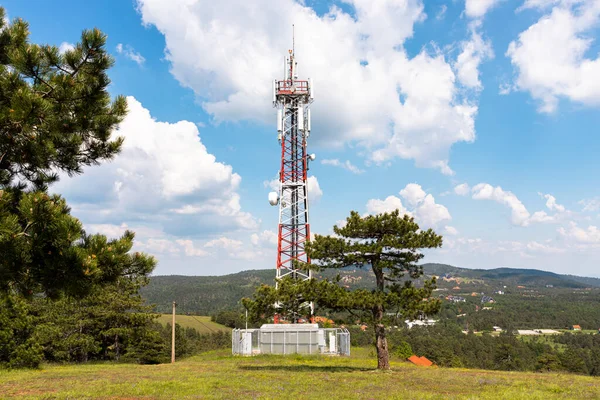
column 422, row 361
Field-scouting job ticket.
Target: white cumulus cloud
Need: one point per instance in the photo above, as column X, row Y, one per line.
column 474, row 52
column 536, row 247
column 229, row 52
column 346, row 165
column 389, row 204
column 164, row 176
column 265, row 238
column 478, row 8
column 441, row 12
column 190, row 249
column 590, row 235
column 589, row 205
column 130, row 53
column 429, row 213
column 65, row 46
column 462, row 190
column 422, row 206
column 450, row 230
column 413, row 193
column 519, row 214
column 550, row 56
column 552, row 204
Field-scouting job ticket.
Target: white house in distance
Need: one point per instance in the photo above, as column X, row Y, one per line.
column 420, row 322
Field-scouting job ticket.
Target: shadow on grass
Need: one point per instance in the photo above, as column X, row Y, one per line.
column 303, row 368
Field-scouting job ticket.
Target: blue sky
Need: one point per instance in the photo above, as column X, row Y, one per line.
column 479, row 118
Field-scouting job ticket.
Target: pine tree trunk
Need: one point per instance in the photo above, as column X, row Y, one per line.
column 117, row 355
column 383, row 356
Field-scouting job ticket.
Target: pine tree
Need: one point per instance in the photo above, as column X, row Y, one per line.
column 106, row 323
column 56, row 116
column 55, row 111
column 388, row 244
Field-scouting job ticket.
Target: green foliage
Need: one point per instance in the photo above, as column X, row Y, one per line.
column 204, row 295
column 147, row 347
column 44, row 249
column 291, row 298
column 17, row 347
column 447, row 346
column 56, row 116
column 548, row 363
column 389, row 245
column 189, row 341
column 55, row 110
column 26, row 355
column 100, row 325
column 231, row 319
column 554, row 308
column 402, row 350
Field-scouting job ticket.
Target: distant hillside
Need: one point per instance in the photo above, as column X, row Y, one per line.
column 513, row 276
column 588, row 282
column 203, row 295
column 206, row 295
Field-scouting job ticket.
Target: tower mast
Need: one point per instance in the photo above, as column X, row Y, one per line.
column 292, row 98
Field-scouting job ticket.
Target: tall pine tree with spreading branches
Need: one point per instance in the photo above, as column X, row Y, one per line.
column 64, row 294
column 56, row 116
column 389, row 245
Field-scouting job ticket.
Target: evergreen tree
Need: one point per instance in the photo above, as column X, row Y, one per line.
column 388, row 244
column 104, row 324
column 55, row 111
column 56, row 116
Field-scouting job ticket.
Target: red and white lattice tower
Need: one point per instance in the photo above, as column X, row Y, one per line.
column 292, row 98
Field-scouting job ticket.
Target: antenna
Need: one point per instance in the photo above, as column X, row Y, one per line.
column 292, row 100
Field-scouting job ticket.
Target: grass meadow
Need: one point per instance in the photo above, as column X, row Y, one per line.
column 218, row 375
column 202, row 324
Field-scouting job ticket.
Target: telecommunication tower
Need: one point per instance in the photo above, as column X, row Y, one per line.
column 292, row 98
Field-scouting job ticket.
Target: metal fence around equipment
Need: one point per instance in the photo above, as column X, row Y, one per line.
column 291, row 339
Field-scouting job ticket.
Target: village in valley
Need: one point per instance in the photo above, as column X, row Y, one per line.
column 466, row 299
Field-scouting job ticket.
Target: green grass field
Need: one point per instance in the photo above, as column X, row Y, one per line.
column 221, row 376
column 199, row 323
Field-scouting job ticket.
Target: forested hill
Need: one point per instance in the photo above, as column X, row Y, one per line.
column 513, row 276
column 206, row 295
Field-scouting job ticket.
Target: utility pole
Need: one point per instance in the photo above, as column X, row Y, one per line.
column 173, row 335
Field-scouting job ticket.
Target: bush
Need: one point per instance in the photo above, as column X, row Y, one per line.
column 26, row 355
column 402, row 350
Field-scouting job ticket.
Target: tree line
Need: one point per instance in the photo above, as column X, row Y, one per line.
column 447, row 346
column 111, row 323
